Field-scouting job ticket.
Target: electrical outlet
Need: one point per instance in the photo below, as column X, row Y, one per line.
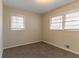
column 68, row 46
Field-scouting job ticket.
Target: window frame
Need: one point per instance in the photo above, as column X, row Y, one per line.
column 17, row 29
column 50, row 23
column 70, row 12
column 63, row 22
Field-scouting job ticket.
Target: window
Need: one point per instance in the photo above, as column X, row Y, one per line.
column 66, row 22
column 72, row 21
column 17, row 23
column 56, row 23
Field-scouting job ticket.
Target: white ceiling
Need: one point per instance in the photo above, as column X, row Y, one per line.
column 32, row 6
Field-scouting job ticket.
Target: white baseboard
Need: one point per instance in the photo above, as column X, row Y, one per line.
column 77, row 53
column 45, row 42
column 20, row 45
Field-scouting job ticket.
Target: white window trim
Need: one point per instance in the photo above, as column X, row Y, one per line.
column 65, row 18
column 63, row 22
column 56, row 29
column 15, row 28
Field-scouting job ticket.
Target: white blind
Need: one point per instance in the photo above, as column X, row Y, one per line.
column 17, row 23
column 56, row 23
column 72, row 21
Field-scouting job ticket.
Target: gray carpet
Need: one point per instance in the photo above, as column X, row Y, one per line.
column 37, row 50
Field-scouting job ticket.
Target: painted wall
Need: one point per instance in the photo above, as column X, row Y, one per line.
column 61, row 38
column 31, row 33
column 1, row 49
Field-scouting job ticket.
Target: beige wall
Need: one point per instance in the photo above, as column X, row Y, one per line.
column 33, row 28
column 1, row 28
column 31, row 33
column 61, row 38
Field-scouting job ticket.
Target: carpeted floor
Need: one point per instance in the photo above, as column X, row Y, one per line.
column 37, row 50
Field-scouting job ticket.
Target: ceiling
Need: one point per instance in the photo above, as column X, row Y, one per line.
column 30, row 5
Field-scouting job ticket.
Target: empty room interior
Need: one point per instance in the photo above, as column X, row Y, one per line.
column 39, row 28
